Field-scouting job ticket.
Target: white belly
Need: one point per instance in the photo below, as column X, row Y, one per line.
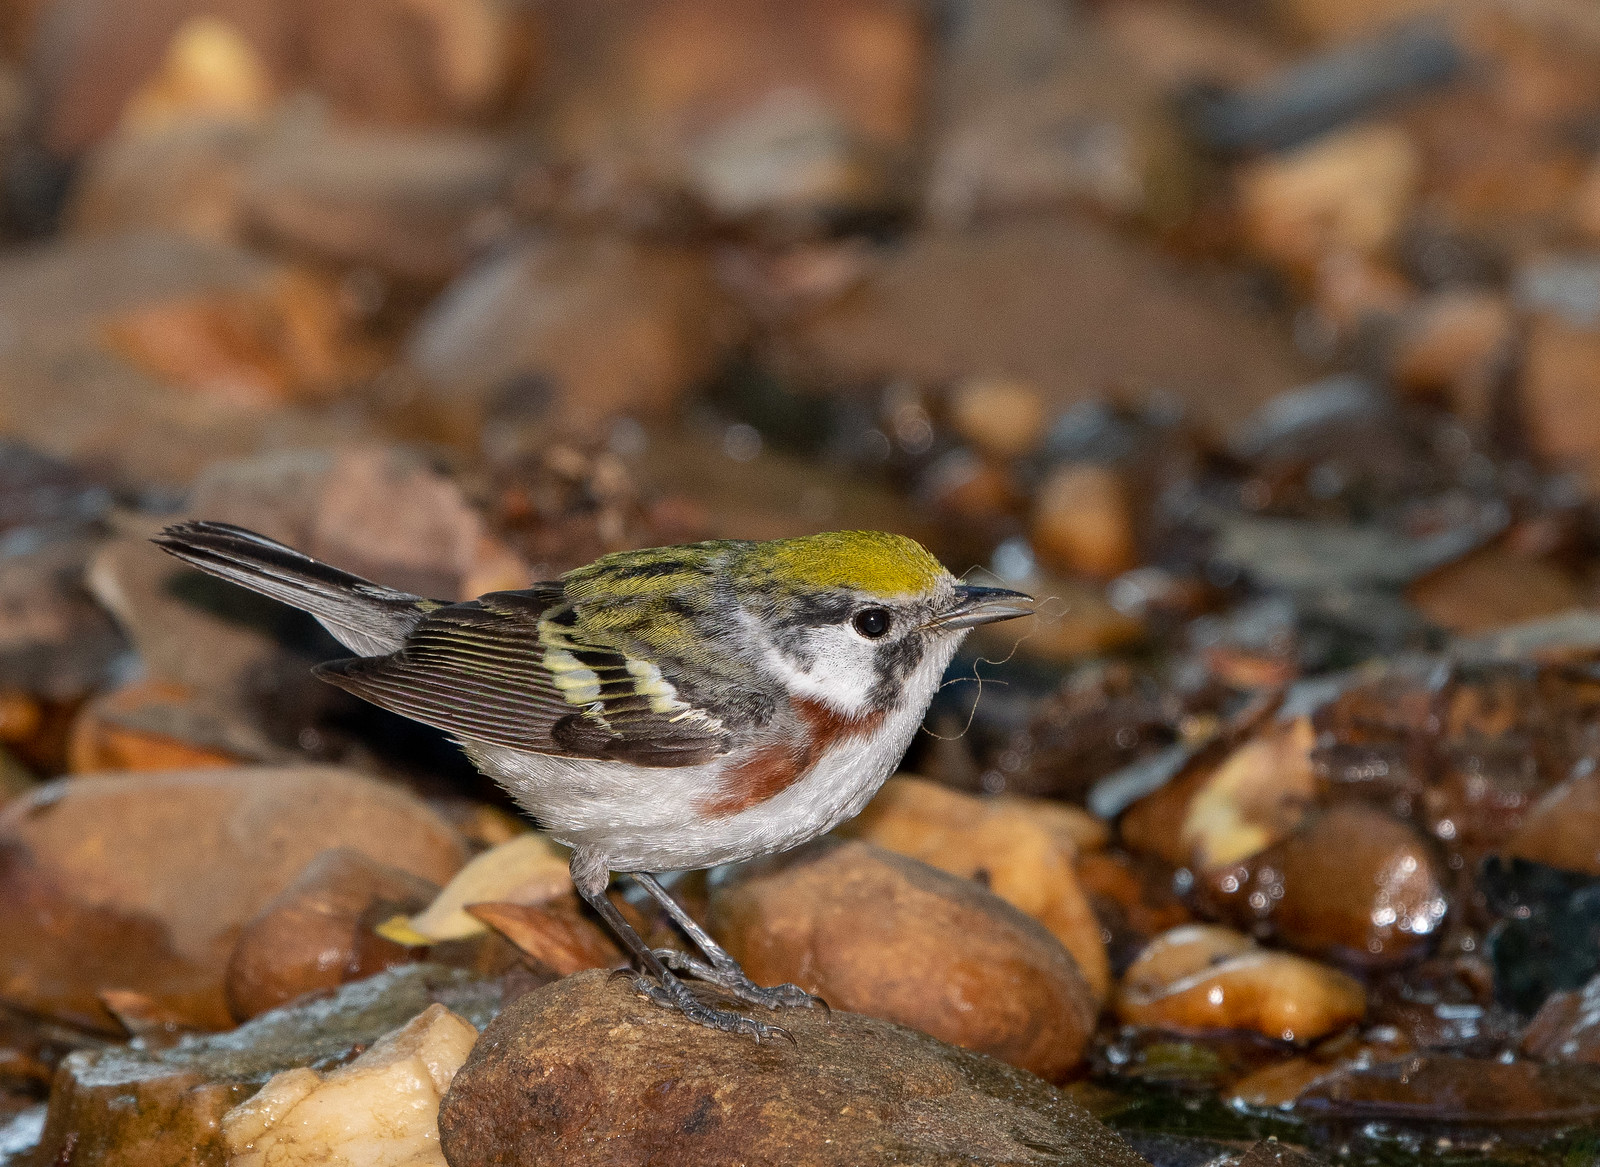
column 645, row 818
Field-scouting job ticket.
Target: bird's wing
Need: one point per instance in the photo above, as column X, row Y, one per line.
column 497, row 670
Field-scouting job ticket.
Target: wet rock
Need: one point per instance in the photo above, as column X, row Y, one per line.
column 380, row 1110
column 1347, row 191
column 1255, row 798
column 1005, row 844
column 411, row 206
column 1062, row 302
column 1494, row 588
column 1563, row 828
column 382, row 512
column 1200, row 977
column 513, row 338
column 541, row 1083
column 143, row 882
column 126, row 1107
column 1271, row 1153
column 1443, row 1089
column 789, row 113
column 1353, row 884
column 317, row 932
column 1567, row 1027
column 1548, row 935
column 876, row 933
column 1083, row 521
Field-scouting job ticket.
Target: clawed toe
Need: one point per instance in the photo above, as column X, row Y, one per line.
column 732, row 981
column 671, row 993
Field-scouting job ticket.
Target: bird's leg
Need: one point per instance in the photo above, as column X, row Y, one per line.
column 590, row 875
column 722, row 970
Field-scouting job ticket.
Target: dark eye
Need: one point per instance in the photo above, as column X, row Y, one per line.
column 871, row 622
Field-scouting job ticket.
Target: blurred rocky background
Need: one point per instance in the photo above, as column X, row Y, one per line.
column 1259, row 338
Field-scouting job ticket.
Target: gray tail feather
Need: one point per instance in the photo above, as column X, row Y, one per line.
column 364, row 617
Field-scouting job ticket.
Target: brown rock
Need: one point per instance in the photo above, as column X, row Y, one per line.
column 187, row 180
column 1064, row 303
column 131, row 1107
column 1083, row 521
column 516, row 335
column 1492, row 588
column 143, row 882
column 375, row 61
column 1353, row 884
column 876, row 933
column 1448, row 348
column 542, row 1085
column 774, row 495
column 399, row 63
column 1586, row 205
column 146, row 725
column 381, row 512
column 1567, row 1027
column 1444, row 1088
column 410, row 205
column 1560, row 408
column 1074, row 620
column 1345, row 191
column 1353, row 292
column 1563, row 828
column 1256, row 797
column 56, row 643
column 1001, row 416
column 317, row 932
column 789, row 111
column 1037, row 107
column 210, row 72
column 1005, row 844
column 258, row 350
column 68, row 389
column 1201, row 977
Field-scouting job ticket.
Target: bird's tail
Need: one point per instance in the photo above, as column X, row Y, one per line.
column 365, row 617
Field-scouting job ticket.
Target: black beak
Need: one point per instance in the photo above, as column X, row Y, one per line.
column 975, row 605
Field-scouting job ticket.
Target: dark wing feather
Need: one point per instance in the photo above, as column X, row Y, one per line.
column 477, row 671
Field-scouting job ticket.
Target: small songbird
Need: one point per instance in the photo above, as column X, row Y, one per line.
column 660, row 710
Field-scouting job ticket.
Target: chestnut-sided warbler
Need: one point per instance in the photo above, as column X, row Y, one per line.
column 657, row 710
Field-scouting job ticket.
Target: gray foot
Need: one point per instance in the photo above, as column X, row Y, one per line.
column 731, row 980
column 671, row 993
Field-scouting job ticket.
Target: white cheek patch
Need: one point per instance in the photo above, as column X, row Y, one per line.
column 841, row 673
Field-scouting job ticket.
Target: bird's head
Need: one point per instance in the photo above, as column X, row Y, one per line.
column 860, row 620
